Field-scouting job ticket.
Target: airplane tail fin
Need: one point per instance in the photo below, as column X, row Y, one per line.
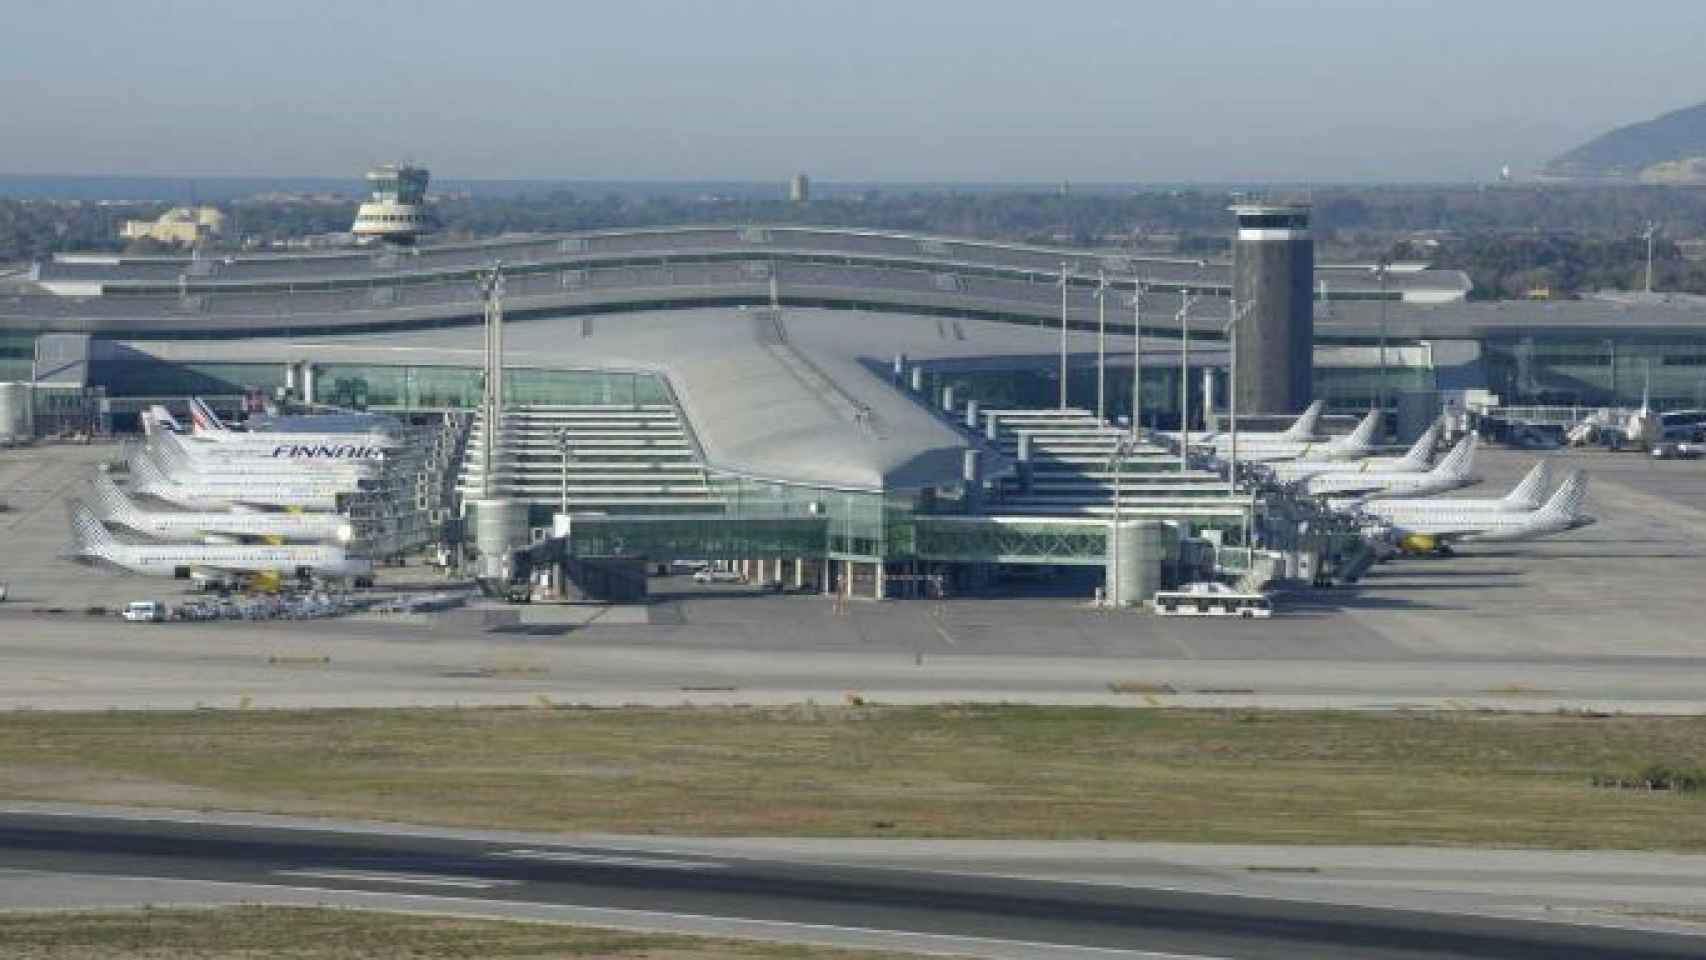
column 1531, row 492
column 162, row 418
column 1566, row 502
column 1458, row 462
column 1304, row 428
column 203, row 417
column 110, row 501
column 1360, row 440
column 89, row 536
column 1422, row 450
column 145, row 469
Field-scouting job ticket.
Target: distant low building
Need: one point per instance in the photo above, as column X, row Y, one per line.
column 180, row 226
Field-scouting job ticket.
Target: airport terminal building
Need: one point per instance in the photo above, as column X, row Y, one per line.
column 863, row 406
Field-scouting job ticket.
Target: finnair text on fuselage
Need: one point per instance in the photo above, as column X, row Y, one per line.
column 342, row 451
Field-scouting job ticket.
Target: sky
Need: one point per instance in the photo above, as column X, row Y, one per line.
column 1105, row 91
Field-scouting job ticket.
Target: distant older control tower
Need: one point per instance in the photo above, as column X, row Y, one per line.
column 1273, row 267
column 396, row 211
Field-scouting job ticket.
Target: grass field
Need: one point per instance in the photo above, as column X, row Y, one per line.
column 298, row 933
column 1000, row 772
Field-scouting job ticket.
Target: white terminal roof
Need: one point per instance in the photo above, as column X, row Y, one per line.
column 805, row 400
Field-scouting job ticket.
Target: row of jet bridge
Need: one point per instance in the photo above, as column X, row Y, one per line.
column 217, row 504
column 1399, row 500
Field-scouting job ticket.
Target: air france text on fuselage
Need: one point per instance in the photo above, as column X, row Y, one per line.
column 342, row 451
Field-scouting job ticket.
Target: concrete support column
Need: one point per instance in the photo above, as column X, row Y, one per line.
column 971, row 414
column 879, row 590
column 1025, row 462
column 992, row 428
column 899, row 367
column 308, row 385
column 948, row 399
column 917, row 379
column 972, row 476
column 799, row 573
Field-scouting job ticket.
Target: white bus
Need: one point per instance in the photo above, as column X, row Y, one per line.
column 1212, row 600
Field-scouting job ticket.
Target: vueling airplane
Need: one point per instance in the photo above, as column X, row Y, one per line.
column 1301, row 431
column 114, row 507
column 1432, row 525
column 220, row 491
column 1451, row 472
column 1415, row 460
column 1352, row 446
column 93, row 542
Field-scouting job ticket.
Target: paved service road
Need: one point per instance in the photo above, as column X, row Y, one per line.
column 475, row 876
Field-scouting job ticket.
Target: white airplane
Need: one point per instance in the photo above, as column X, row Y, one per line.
column 1430, row 526
column 1301, row 431
column 1352, row 446
column 114, row 507
column 92, row 541
column 1451, row 472
column 222, row 491
column 288, row 459
column 294, row 445
column 1415, row 460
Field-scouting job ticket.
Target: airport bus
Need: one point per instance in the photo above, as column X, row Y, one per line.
column 1212, row 600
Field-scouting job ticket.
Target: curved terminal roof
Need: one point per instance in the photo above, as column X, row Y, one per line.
column 799, row 396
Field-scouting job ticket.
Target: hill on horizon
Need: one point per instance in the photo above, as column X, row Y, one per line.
column 1670, row 148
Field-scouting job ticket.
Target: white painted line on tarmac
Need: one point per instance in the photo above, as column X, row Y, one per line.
column 607, row 860
column 406, row 879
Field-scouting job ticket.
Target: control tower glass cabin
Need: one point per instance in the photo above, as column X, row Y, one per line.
column 395, row 212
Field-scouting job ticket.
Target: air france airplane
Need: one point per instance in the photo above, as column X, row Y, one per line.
column 1453, row 471
column 91, row 541
column 1428, row 526
column 365, row 444
column 116, row 508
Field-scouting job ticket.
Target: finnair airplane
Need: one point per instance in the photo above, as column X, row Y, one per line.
column 1352, row 446
column 114, row 507
column 1415, row 460
column 1451, row 472
column 92, row 541
column 1432, row 525
column 291, row 460
column 220, row 491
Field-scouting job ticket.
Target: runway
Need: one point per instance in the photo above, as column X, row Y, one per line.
column 773, row 898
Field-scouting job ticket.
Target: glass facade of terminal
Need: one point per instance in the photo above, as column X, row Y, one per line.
column 1599, row 371
column 17, row 356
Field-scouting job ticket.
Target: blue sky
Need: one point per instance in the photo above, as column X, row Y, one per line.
column 932, row 90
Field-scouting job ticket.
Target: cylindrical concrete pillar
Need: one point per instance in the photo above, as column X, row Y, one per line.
column 992, row 428
column 972, row 474
column 948, row 399
column 971, row 414
column 308, row 383
column 899, row 367
column 1025, row 461
column 1273, row 267
column 917, row 379
column 1133, row 576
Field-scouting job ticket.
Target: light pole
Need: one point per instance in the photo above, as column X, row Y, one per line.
column 1136, row 357
column 1611, row 345
column 565, row 447
column 1185, row 381
column 1237, row 316
column 1102, row 346
column 1380, row 384
column 1648, row 234
column 1063, row 334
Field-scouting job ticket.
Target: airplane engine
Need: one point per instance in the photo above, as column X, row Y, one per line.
column 1418, row 543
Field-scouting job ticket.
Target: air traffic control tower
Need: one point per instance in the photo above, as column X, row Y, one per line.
column 1273, row 267
column 396, row 212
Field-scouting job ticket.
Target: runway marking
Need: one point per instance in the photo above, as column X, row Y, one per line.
column 407, row 879
column 607, row 860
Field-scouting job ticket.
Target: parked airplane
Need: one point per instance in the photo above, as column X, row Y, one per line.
column 274, row 526
column 1301, row 431
column 92, row 541
column 356, row 428
column 1431, row 526
column 1415, row 460
column 285, row 459
column 1354, row 445
column 325, row 444
column 1451, row 472
column 219, row 491
column 1529, row 494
